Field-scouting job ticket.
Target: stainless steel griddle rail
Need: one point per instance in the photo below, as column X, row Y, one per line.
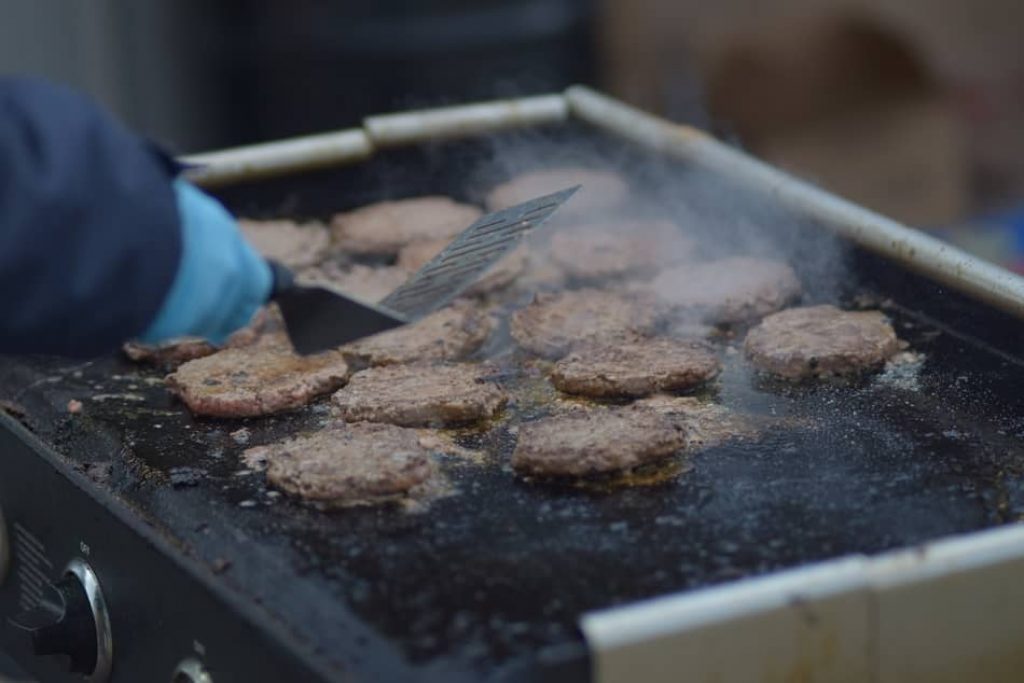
column 952, row 610
column 920, row 252
column 378, row 132
column 931, row 257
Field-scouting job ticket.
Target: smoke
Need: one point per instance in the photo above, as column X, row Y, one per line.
column 717, row 218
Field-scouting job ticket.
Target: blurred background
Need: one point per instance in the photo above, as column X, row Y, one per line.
column 911, row 107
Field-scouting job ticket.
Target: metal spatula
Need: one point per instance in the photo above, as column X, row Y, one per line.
column 318, row 318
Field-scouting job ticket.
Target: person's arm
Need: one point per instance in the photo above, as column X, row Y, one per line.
column 99, row 243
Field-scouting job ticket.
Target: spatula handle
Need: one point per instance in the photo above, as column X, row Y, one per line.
column 283, row 279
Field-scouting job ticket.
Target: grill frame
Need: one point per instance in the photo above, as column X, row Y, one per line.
column 572, row 660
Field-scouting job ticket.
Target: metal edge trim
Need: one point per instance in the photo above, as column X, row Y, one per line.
column 645, row 620
column 406, row 128
column 952, row 555
column 612, row 631
column 922, row 253
column 279, row 157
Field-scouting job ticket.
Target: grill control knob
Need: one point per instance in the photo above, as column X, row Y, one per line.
column 71, row 630
column 191, row 670
column 71, row 620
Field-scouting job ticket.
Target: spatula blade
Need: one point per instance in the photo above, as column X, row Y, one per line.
column 471, row 253
column 318, row 319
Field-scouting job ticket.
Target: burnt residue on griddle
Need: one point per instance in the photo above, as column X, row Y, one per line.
column 503, row 568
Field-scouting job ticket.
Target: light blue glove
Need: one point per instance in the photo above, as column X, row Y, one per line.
column 221, row 279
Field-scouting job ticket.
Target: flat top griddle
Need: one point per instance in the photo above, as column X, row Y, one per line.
column 490, row 582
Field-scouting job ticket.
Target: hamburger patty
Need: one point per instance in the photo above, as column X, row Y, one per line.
column 595, row 253
column 369, row 283
column 553, row 323
column 595, row 441
column 452, row 333
column 730, row 291
column 266, row 326
column 636, row 368
column 500, row 275
column 383, row 228
column 259, row 380
column 344, row 465
column 294, row 245
column 601, row 191
column 821, row 341
column 419, row 395
column 171, row 353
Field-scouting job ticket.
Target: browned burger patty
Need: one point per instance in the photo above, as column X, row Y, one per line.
column 266, row 326
column 601, row 191
column 369, row 283
column 294, row 245
column 595, row 441
column 419, row 395
column 636, row 368
column 355, row 464
column 730, row 291
column 452, row 333
column 821, row 341
column 595, row 253
column 500, row 275
column 256, row 381
column 554, row 323
column 385, row 227
column 171, row 353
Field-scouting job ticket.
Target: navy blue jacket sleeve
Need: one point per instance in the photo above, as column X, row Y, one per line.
column 90, row 238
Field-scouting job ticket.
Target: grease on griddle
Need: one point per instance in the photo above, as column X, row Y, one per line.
column 453, row 443
column 903, row 371
column 708, row 424
column 650, row 475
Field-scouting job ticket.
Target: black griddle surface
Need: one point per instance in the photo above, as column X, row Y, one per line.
column 484, row 582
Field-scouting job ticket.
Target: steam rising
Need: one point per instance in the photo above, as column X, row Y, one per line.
column 715, row 220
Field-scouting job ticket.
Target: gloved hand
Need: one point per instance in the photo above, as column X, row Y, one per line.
column 221, row 279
